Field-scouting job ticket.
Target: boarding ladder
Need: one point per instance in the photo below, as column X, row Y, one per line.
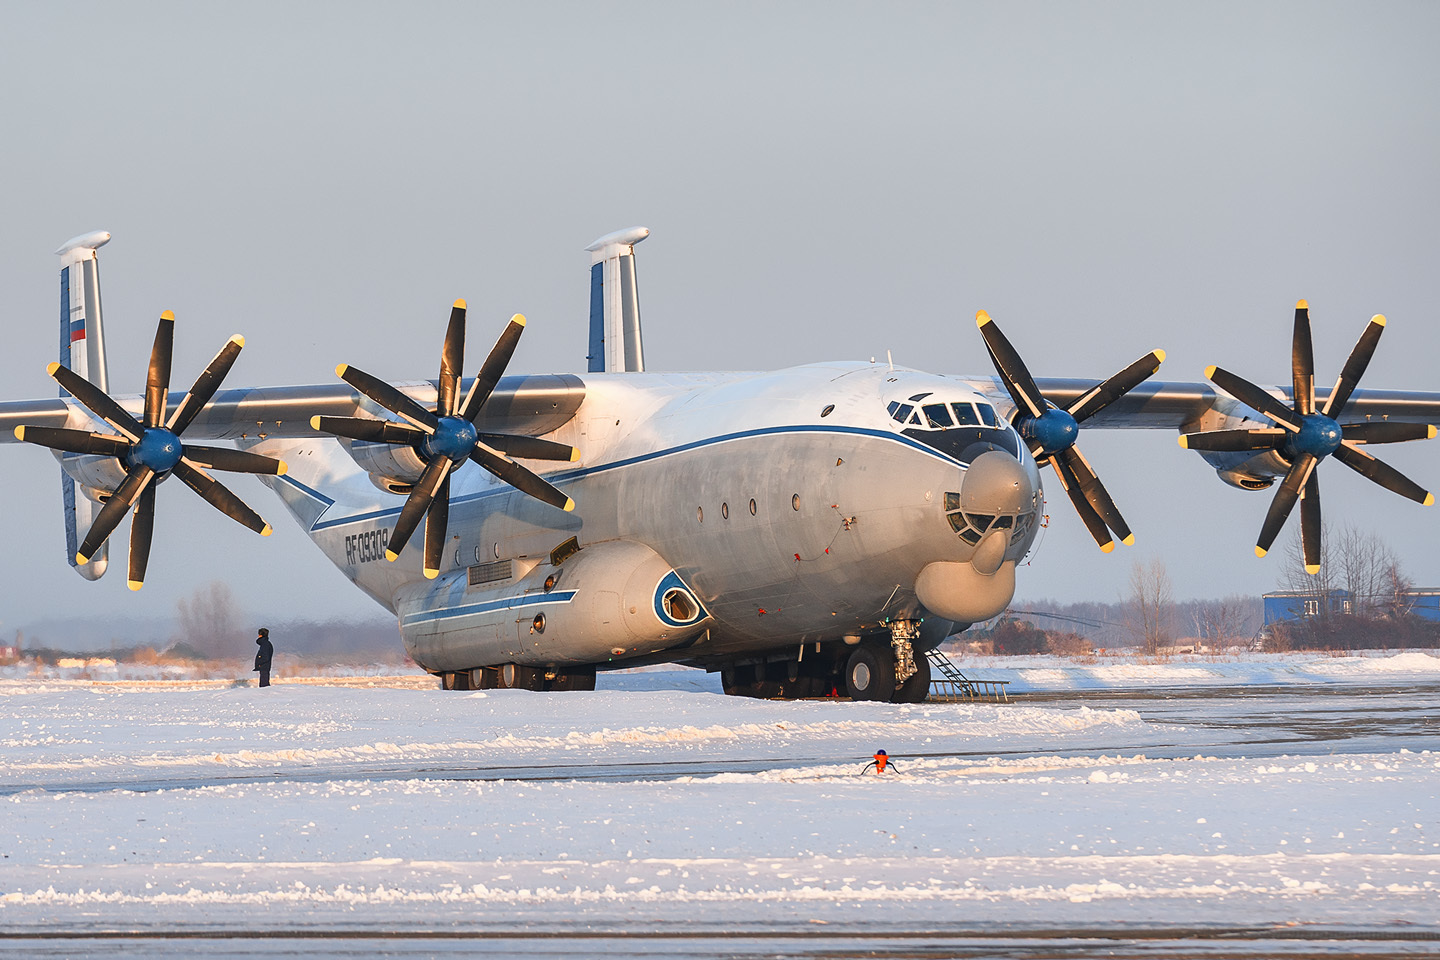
column 952, row 686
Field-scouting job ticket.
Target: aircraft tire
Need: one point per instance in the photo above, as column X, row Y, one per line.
column 870, row 672
column 517, row 676
column 455, row 680
column 917, row 688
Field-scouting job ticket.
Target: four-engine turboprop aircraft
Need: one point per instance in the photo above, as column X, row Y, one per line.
column 804, row 531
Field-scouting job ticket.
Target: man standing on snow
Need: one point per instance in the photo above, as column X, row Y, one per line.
column 263, row 656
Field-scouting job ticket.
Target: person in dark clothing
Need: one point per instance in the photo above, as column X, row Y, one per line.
column 263, row 656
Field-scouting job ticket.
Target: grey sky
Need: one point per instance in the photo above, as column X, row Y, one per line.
column 822, row 181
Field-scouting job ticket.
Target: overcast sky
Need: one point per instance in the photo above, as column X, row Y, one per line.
column 822, row 181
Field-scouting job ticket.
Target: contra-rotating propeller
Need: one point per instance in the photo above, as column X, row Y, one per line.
column 1051, row 432
column 446, row 437
column 1303, row 435
column 151, row 450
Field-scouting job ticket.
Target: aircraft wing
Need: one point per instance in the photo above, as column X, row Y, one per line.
column 1176, row 405
column 531, row 405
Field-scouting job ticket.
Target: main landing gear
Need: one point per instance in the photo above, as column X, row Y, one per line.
column 877, row 669
column 517, row 676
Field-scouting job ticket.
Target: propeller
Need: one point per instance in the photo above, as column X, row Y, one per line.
column 1304, row 435
column 446, row 437
column 151, row 451
column 1051, row 431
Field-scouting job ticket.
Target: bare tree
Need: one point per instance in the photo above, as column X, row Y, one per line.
column 1151, row 606
column 210, row 621
column 1219, row 622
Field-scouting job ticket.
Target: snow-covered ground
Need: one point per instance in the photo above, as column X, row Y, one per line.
column 365, row 803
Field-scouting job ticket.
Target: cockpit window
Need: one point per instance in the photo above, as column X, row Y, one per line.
column 938, row 415
column 965, row 414
column 987, row 414
column 899, row 411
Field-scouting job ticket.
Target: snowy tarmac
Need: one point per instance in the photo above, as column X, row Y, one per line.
column 1288, row 804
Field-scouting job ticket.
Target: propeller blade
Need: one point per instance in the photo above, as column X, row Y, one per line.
column 1302, row 361
column 387, row 396
column 520, row 478
column 74, row 441
column 234, row 461
column 142, row 529
column 1382, row 473
column 1354, row 367
column 206, row 384
column 1266, row 438
column 1383, row 431
column 417, row 505
column 1094, row 491
column 1088, row 516
column 1246, row 392
column 97, row 401
column 493, row 368
column 437, row 520
column 216, row 494
column 366, row 428
column 529, row 448
column 157, row 380
column 452, row 361
column 1117, row 386
column 1310, row 523
column 114, row 511
column 1284, row 502
column 1011, row 368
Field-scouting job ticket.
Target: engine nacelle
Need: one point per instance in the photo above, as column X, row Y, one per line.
column 607, row 602
column 97, row 476
column 1245, row 480
column 393, row 469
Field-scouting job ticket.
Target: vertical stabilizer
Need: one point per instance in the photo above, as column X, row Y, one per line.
column 82, row 349
column 615, row 345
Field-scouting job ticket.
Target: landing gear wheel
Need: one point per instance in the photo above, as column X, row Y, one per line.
column 870, row 672
column 457, row 680
column 517, row 676
column 917, row 688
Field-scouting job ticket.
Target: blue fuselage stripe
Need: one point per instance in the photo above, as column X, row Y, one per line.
column 489, row 606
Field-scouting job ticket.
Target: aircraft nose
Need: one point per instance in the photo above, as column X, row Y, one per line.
column 997, row 483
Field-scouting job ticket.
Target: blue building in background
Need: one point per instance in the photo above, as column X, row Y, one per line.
column 1281, row 605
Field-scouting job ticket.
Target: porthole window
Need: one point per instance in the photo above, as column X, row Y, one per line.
column 699, row 514
column 752, row 507
column 795, row 502
column 538, row 624
column 725, row 511
column 829, row 409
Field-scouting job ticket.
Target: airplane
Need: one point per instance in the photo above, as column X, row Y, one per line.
column 806, row 532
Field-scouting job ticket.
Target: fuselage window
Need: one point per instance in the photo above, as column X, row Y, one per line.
column 752, row 508
column 987, row 413
column 829, row 409
column 938, row 415
column 699, row 514
column 965, row 414
column 724, row 511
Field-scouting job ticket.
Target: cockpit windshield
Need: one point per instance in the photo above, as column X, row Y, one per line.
column 961, row 428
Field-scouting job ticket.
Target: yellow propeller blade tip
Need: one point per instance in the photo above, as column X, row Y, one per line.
column 135, row 584
column 519, row 319
column 238, row 340
column 569, row 505
column 982, row 318
column 1429, row 500
column 1259, row 551
column 315, row 423
column 1129, row 541
column 80, row 558
column 20, row 433
column 267, row 531
column 391, row 555
column 431, row 574
column 1107, row 547
column 1184, row 442
column 460, row 304
column 282, row 469
column 169, row 315
column 1312, row 568
column 51, row 368
column 1430, row 435
column 575, row 451
column 1378, row 318
column 1210, row 371
column 1159, row 354
column 340, row 370
column 1302, row 305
